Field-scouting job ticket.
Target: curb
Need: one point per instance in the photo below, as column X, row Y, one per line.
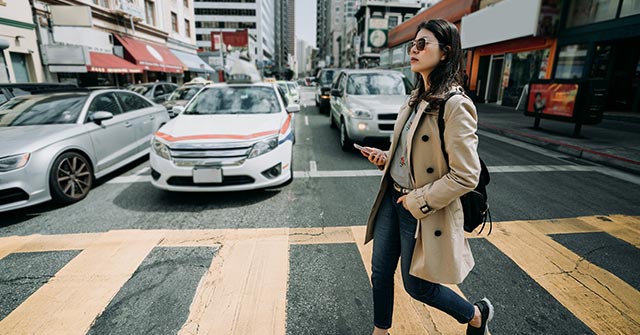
column 603, row 158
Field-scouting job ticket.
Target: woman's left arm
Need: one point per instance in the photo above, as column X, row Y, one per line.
column 461, row 143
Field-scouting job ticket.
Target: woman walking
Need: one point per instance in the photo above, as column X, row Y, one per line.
column 417, row 217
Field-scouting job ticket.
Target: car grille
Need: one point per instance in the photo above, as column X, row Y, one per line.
column 226, row 181
column 387, row 116
column 11, row 195
column 210, row 154
column 385, row 126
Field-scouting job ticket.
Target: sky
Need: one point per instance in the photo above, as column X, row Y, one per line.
column 306, row 21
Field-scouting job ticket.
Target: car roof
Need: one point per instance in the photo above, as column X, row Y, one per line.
column 355, row 71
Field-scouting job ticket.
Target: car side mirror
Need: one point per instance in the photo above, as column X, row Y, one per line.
column 98, row 117
column 176, row 110
column 336, row 92
column 293, row 108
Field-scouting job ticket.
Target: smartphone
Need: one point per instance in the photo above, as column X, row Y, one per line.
column 361, row 148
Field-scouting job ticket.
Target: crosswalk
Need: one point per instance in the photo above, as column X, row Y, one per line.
column 244, row 290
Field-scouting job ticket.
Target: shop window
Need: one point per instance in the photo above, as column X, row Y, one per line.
column 393, row 21
column 20, row 71
column 583, row 12
column 571, row 61
column 601, row 60
column 630, row 7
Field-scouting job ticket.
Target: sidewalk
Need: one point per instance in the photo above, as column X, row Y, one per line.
column 612, row 142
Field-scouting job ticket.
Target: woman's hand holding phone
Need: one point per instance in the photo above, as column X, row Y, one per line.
column 375, row 155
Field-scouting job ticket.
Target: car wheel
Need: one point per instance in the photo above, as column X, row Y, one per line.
column 345, row 141
column 71, row 178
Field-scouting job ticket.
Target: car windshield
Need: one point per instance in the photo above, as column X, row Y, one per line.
column 283, row 86
column 235, row 100
column 184, row 93
column 376, row 84
column 39, row 110
column 326, row 77
column 292, row 89
column 141, row 89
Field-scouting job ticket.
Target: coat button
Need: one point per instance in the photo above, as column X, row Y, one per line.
column 438, row 233
column 425, row 137
column 430, row 170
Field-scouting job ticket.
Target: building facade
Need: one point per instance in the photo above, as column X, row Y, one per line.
column 323, row 36
column 19, row 53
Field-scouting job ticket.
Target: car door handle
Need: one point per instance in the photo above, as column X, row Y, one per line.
column 151, row 117
column 128, row 124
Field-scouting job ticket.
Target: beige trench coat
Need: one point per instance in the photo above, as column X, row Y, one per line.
column 442, row 254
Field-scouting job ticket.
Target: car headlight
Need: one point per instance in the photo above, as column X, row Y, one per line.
column 161, row 149
column 360, row 113
column 262, row 147
column 13, row 162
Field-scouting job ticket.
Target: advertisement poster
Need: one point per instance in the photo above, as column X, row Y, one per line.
column 552, row 99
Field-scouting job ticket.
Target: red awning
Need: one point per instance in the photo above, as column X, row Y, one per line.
column 152, row 57
column 109, row 63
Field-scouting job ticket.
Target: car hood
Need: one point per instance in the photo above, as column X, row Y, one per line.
column 377, row 103
column 16, row 140
column 221, row 128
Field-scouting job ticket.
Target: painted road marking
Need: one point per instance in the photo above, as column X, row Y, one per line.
column 315, row 173
column 244, row 290
column 306, row 120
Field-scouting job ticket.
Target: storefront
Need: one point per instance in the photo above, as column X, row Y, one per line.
column 504, row 60
column 599, row 42
column 194, row 66
column 158, row 62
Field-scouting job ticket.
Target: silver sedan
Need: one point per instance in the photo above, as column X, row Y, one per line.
column 55, row 145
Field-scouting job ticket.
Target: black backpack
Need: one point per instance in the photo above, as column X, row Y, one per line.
column 474, row 203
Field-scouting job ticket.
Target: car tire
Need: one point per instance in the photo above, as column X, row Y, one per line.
column 345, row 142
column 71, row 178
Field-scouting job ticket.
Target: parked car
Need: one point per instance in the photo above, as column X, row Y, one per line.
column 156, row 92
column 323, row 90
column 291, row 90
column 231, row 136
column 55, row 145
column 181, row 96
column 365, row 104
column 8, row 91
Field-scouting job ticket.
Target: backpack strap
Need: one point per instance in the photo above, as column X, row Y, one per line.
column 441, row 123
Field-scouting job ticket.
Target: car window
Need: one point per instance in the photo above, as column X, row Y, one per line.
column 326, row 77
column 44, row 109
column 170, row 88
column 141, row 89
column 284, row 88
column 376, row 84
column 105, row 103
column 283, row 96
column 184, row 93
column 131, row 102
column 18, row 91
column 341, row 82
column 3, row 98
column 292, row 88
column 235, row 100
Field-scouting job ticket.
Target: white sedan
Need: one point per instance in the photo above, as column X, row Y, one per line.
column 230, row 137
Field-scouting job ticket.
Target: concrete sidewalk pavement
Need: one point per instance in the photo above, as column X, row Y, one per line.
column 613, row 143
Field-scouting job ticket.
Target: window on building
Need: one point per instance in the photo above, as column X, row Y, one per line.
column 583, row 12
column 102, row 3
column 225, row 11
column 150, row 12
column 187, row 27
column 185, row 3
column 393, row 21
column 630, row 7
column 174, row 22
column 571, row 61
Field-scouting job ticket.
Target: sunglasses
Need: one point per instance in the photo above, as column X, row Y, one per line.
column 420, row 44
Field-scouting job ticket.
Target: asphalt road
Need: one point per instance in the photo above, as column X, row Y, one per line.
column 323, row 285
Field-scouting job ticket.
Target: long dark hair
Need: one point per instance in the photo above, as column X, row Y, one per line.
column 448, row 72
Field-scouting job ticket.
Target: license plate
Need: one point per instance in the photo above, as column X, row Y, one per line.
column 207, row 175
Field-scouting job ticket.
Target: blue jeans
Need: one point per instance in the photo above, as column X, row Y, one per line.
column 393, row 239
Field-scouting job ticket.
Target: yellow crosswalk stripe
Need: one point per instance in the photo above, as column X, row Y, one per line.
column 605, row 303
column 79, row 292
column 244, row 290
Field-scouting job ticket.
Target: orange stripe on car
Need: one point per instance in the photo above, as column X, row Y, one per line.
column 170, row 138
column 285, row 126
